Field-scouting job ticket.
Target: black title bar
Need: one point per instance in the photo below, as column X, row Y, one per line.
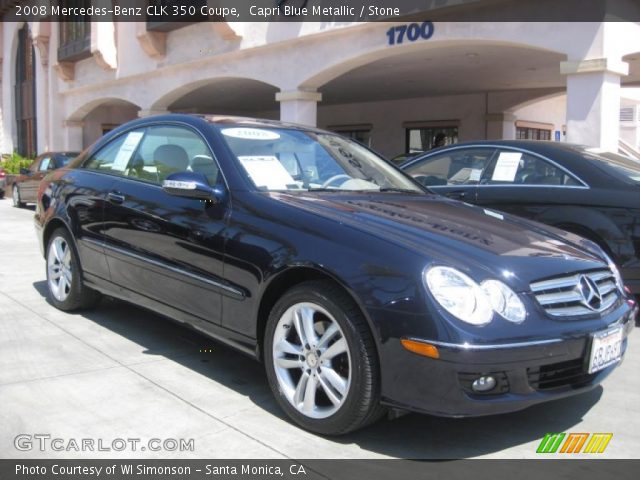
column 317, row 469
column 321, row 10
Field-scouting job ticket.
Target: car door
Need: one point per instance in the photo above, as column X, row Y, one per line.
column 454, row 172
column 29, row 186
column 167, row 248
column 526, row 184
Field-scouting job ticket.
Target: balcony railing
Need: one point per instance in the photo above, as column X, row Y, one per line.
column 75, row 41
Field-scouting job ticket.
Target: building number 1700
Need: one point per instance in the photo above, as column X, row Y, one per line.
column 410, row 32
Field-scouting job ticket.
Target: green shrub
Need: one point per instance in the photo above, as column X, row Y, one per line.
column 15, row 162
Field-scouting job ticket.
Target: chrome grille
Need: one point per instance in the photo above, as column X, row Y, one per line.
column 565, row 296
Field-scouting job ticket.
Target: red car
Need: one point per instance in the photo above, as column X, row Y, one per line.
column 25, row 186
column 3, row 182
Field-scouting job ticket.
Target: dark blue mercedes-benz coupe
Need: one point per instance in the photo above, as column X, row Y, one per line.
column 359, row 290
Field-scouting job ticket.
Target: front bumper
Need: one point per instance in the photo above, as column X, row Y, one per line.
column 527, row 373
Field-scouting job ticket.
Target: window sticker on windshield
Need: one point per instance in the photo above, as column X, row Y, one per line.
column 506, row 167
column 267, row 172
column 250, row 133
column 125, row 152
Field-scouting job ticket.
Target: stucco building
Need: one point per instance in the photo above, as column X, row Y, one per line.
column 65, row 84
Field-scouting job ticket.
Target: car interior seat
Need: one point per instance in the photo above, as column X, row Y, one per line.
column 170, row 159
column 550, row 180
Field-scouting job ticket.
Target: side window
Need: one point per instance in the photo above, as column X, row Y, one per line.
column 44, row 164
column 168, row 149
column 115, row 156
column 455, row 167
column 517, row 168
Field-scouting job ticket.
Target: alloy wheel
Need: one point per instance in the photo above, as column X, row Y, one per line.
column 59, row 268
column 311, row 360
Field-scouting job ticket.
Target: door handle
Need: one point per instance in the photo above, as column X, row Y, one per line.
column 459, row 195
column 115, row 197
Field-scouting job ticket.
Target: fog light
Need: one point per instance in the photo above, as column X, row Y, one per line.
column 483, row 384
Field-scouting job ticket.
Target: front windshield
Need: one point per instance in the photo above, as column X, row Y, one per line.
column 280, row 159
column 614, row 163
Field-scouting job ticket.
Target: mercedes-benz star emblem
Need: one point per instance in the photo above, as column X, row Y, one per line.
column 589, row 292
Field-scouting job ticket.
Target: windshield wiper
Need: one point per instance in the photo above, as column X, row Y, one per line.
column 399, row 190
column 385, row 189
column 326, row 189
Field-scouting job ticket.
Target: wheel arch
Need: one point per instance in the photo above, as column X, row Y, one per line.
column 585, row 232
column 51, row 226
column 591, row 224
column 294, row 275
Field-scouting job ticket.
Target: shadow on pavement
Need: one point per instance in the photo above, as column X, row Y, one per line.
column 412, row 436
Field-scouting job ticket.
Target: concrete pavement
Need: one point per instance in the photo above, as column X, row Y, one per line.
column 122, row 372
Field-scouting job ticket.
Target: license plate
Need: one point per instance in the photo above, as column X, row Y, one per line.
column 606, row 349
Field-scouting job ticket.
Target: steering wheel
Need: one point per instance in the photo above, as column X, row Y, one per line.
column 334, row 178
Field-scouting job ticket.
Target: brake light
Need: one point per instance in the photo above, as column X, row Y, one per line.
column 2, row 173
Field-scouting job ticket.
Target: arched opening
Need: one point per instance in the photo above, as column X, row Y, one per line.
column 227, row 96
column 101, row 116
column 404, row 99
column 25, row 95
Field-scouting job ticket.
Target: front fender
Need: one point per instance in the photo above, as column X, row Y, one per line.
column 593, row 224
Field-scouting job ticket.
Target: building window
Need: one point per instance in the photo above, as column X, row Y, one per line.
column 533, row 130
column 423, row 136
column 26, row 94
column 523, row 133
column 75, row 36
column 359, row 133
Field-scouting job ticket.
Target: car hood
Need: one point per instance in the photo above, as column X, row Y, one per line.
column 450, row 232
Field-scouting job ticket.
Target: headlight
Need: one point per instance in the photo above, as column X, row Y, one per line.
column 616, row 272
column 504, row 301
column 459, row 295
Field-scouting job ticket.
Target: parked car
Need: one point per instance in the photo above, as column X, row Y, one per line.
column 25, row 186
column 591, row 193
column 304, row 249
column 403, row 157
column 3, row 182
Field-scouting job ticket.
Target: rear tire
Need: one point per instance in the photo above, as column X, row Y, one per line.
column 328, row 384
column 67, row 290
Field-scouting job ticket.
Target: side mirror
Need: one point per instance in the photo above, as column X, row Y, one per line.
column 25, row 171
column 193, row 185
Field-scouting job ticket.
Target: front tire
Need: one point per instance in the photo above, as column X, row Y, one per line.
column 67, row 290
column 17, row 199
column 321, row 360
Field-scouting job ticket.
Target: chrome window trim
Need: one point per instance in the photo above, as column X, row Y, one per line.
column 144, row 126
column 584, row 186
column 180, row 271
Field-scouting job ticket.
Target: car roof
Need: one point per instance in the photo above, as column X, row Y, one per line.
column 537, row 146
column 218, row 120
column 222, row 120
